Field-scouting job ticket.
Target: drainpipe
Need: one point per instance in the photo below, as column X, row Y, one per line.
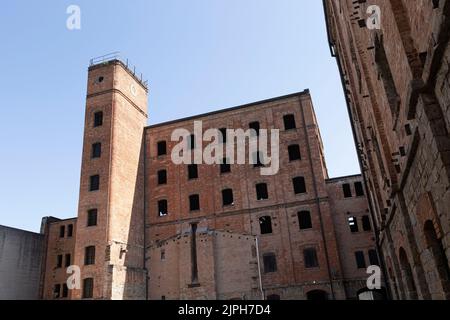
column 145, row 213
column 259, row 269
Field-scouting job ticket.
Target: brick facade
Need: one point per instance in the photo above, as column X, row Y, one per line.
column 396, row 81
column 218, row 251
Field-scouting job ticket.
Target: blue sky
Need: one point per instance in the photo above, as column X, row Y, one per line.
column 198, row 55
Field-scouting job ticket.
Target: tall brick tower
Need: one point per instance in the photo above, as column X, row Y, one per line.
column 111, row 189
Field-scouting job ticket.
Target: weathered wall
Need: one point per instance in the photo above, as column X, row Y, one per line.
column 397, row 86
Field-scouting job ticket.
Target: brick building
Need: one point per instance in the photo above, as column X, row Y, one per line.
column 396, row 81
column 150, row 229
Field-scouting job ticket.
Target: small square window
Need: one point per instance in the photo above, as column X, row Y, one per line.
column 299, row 185
column 162, row 148
column 353, row 224
column 57, row 291
column 92, row 218
column 89, row 255
column 265, row 225
column 59, row 261
column 94, row 183
column 360, row 260
column 304, row 220
column 289, row 122
column 70, row 230
column 162, row 208
column 254, row 126
column 68, row 260
column 359, row 190
column 261, row 191
column 62, row 231
column 194, row 202
column 98, row 119
column 162, row 177
column 270, row 263
column 227, row 197
column 96, row 150
column 294, row 152
column 373, row 258
column 310, row 258
column 192, row 171
column 347, row 190
column 366, row 223
column 88, row 288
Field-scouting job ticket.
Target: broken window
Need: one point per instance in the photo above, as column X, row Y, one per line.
column 347, row 190
column 360, row 260
column 310, row 258
column 70, row 230
column 94, row 183
column 62, row 231
column 68, row 259
column 261, row 191
column 96, row 150
column 98, row 119
column 265, row 225
column 294, row 152
column 194, row 202
column 162, row 177
column 57, row 291
column 89, row 255
column 353, row 224
column 225, row 167
column 270, row 263
column 88, row 288
column 304, row 220
column 366, row 223
column 59, row 261
column 373, row 258
column 162, row 148
column 359, row 190
column 192, row 171
column 254, row 126
column 289, row 122
column 162, row 208
column 299, row 185
column 227, row 197
column 92, row 218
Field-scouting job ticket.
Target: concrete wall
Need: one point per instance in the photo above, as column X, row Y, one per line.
column 20, row 263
